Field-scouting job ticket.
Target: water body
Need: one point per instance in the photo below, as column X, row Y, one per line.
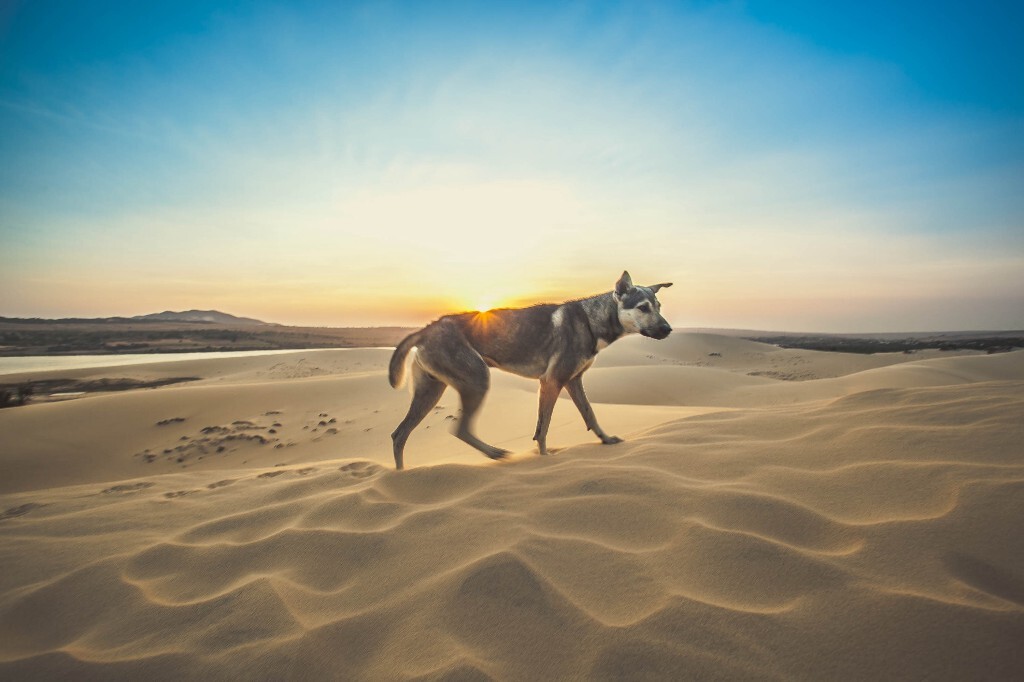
column 41, row 363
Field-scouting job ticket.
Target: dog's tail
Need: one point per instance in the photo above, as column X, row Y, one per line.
column 396, row 370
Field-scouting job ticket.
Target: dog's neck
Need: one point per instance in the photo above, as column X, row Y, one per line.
column 603, row 317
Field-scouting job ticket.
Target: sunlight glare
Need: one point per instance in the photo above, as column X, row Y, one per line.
column 484, row 304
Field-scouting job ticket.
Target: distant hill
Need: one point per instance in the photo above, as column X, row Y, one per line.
column 214, row 316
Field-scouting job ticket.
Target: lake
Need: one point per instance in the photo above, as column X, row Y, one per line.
column 38, row 363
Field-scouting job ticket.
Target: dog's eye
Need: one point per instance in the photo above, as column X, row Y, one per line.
column 644, row 307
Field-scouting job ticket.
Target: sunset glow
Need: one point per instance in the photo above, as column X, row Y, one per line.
column 382, row 164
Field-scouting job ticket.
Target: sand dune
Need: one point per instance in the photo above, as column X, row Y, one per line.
column 268, row 411
column 750, row 357
column 861, row 525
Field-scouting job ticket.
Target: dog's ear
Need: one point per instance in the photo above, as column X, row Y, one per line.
column 654, row 287
column 624, row 285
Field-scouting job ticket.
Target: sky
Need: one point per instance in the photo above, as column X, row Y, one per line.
column 797, row 166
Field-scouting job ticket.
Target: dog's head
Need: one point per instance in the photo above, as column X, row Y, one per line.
column 639, row 309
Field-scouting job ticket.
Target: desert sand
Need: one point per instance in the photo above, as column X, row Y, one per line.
column 773, row 514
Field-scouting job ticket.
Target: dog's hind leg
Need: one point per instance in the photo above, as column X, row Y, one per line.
column 472, row 396
column 579, row 396
column 452, row 359
column 426, row 392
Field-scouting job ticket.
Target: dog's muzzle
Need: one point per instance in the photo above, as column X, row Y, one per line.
column 659, row 332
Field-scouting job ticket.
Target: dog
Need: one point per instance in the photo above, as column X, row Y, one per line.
column 555, row 343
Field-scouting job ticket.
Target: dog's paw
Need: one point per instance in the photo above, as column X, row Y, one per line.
column 498, row 453
column 611, row 440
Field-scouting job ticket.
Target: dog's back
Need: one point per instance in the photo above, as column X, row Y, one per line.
column 517, row 340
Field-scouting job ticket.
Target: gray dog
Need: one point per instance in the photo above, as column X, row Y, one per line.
column 555, row 343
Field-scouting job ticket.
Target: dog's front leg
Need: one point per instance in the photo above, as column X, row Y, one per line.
column 549, row 390
column 579, row 396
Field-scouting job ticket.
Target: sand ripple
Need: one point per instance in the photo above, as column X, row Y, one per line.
column 875, row 536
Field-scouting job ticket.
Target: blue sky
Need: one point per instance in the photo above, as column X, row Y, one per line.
column 799, row 165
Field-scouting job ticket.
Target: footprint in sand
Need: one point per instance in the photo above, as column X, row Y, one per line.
column 171, row 420
column 127, row 487
column 215, row 439
column 301, row 472
column 221, row 484
column 179, row 493
column 21, row 510
column 360, row 469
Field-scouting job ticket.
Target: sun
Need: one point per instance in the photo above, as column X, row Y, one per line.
column 481, row 293
column 482, row 301
column 483, row 304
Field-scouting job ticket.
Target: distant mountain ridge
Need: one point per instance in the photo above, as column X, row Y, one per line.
column 214, row 316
